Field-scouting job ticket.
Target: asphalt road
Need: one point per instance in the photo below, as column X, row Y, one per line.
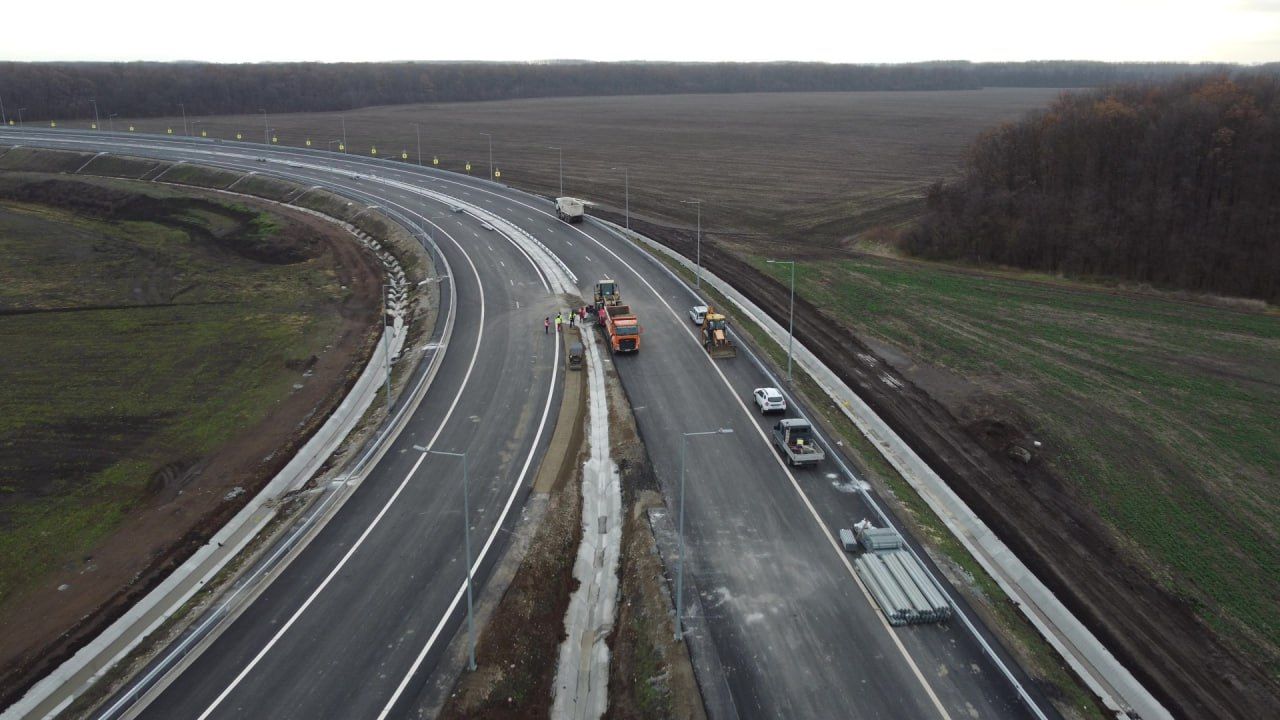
column 357, row 621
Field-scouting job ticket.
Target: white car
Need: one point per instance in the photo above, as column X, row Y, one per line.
column 698, row 313
column 770, row 400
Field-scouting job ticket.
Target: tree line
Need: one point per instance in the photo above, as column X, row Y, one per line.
column 64, row 91
column 1175, row 184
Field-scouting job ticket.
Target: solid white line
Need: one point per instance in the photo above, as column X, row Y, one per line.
column 942, row 711
column 356, row 546
column 462, row 588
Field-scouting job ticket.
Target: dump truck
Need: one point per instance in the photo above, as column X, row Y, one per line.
column 570, row 210
column 607, row 294
column 794, row 438
column 621, row 327
column 715, row 335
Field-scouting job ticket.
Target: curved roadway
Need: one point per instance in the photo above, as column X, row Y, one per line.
column 355, row 624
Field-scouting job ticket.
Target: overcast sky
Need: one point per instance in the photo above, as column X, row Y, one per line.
column 1246, row 31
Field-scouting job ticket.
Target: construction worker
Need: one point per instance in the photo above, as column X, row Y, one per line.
column 572, row 318
column 546, row 326
column 559, row 320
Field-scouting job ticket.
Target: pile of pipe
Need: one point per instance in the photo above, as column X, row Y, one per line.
column 900, row 586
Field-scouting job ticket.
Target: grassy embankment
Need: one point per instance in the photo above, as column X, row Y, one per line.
column 1160, row 413
column 164, row 345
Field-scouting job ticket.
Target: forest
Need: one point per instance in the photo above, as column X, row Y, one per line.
column 65, row 91
column 1174, row 184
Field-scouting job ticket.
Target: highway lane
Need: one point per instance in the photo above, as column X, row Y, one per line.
column 337, row 632
column 796, row 634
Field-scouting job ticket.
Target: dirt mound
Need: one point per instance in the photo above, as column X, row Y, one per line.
column 1155, row 633
column 248, row 234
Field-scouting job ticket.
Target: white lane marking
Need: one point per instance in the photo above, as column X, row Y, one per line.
column 288, row 545
column 502, row 263
column 462, row 588
column 588, row 257
column 942, row 711
column 513, row 282
column 381, row 513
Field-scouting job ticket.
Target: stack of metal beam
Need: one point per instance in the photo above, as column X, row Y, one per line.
column 876, row 539
column 901, row 587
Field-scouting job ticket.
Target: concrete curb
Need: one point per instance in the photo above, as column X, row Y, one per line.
column 1087, row 656
column 113, row 644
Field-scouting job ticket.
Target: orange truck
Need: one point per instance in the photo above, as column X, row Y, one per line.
column 621, row 328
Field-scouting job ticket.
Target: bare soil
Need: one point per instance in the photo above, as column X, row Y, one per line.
column 194, row 497
column 518, row 647
column 651, row 676
column 1156, row 633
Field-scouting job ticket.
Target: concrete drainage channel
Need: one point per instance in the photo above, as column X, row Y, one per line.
column 582, row 673
column 1087, row 656
column 92, row 663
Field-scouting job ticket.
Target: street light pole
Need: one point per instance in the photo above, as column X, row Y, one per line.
column 185, row 131
column 344, row 132
column 561, row 151
column 97, row 124
column 791, row 322
column 266, row 129
column 20, row 116
column 490, row 136
column 466, row 534
column 626, row 184
column 4, row 120
column 698, row 278
column 386, row 344
column 111, row 121
column 417, row 131
column 684, row 440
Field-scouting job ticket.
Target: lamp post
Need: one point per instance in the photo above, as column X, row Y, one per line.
column 4, row 119
column 626, row 185
column 417, row 132
column 344, row 132
column 96, row 123
column 684, row 440
column 185, row 130
column 266, row 129
column 698, row 277
column 561, row 151
column 466, row 534
column 490, row 136
column 386, row 344
column 111, row 121
column 20, row 116
column 791, row 322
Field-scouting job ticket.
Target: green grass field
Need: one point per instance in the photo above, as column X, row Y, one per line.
column 1160, row 413
column 166, row 348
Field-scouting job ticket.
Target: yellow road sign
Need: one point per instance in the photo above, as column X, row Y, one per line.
column 404, row 155
column 435, row 161
column 239, row 136
column 342, row 147
column 373, row 151
column 204, row 133
column 497, row 173
column 468, row 167
column 130, row 128
column 53, row 123
column 308, row 142
column 170, row 131
column 93, row 126
column 275, row 139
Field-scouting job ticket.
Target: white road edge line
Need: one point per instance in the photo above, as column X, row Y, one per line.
column 378, row 518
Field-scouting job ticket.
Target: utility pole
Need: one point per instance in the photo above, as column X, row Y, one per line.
column 4, row 120
column 698, row 277
column 185, row 130
column 20, row 116
column 344, row 132
column 97, row 124
column 266, row 127
column 791, row 323
column 684, row 440
column 417, row 131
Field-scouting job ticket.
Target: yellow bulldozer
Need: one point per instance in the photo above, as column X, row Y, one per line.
column 715, row 336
